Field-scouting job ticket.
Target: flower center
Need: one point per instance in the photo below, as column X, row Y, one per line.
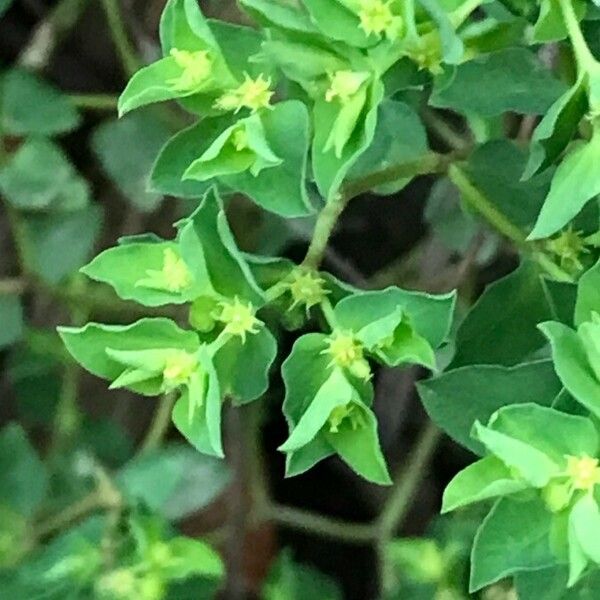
column 252, row 93
column 173, row 277
column 306, row 288
column 179, row 366
column 196, row 66
column 345, row 412
column 375, row 16
column 583, row 471
column 344, row 84
column 347, row 352
column 239, row 318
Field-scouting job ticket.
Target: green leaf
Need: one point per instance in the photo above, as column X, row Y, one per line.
column 360, row 449
column 588, row 295
column 130, row 269
column 458, row 398
column 550, row 26
column 50, row 234
column 572, row 365
column 285, row 16
column 31, row 106
column 584, row 536
column 554, row 433
column 452, row 46
column 174, row 481
column 515, row 536
column 506, row 337
column 575, row 179
column 286, row 128
column 243, row 367
column 330, row 170
column 203, row 430
column 335, row 391
column 23, row 477
column 388, row 148
column 88, row 346
column 11, row 317
column 183, row 26
column 487, row 478
column 338, row 22
column 496, row 168
column 127, row 149
column 192, row 557
column 241, row 147
column 430, row 315
column 514, row 80
column 39, row 176
column 179, row 152
column 208, row 247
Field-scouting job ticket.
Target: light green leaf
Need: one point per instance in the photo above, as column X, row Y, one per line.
column 39, row 176
column 458, row 398
column 329, row 170
column 337, row 22
column 550, row 26
column 285, row 16
column 514, row 80
column 515, row 536
column 335, row 391
column 243, row 367
column 584, row 536
column 179, row 152
column 572, row 365
column 32, row 106
column 360, row 448
column 575, row 182
column 430, row 315
column 131, row 268
column 203, row 430
column 192, row 557
column 127, row 149
column 11, row 317
column 487, row 478
column 452, row 46
column 588, row 295
column 88, row 346
column 286, row 129
column 556, row 128
column 208, row 247
column 183, row 26
column 530, row 464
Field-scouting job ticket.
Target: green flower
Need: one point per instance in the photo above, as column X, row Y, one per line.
column 173, row 277
column 253, row 94
column 196, row 70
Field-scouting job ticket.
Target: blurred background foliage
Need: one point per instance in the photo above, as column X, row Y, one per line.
column 90, row 504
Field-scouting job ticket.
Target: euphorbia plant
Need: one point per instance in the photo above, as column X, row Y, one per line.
column 309, row 110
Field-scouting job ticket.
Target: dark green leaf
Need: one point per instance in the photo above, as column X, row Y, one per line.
column 11, row 317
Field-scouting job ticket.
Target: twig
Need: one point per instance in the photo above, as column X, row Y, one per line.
column 12, row 286
column 125, row 50
column 160, row 424
column 106, row 102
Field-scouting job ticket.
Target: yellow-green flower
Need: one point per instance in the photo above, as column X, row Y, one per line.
column 583, row 472
column 178, row 369
column 346, row 412
column 196, row 66
column 569, row 247
column 174, row 276
column 347, row 352
column 376, row 17
column 306, row 287
column 239, row 318
column 253, row 94
column 344, row 84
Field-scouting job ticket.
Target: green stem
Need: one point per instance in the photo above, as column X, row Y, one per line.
column 95, row 101
column 444, row 131
column 402, row 495
column 326, row 221
column 477, row 201
column 429, row 163
column 585, row 59
column 320, row 525
column 160, row 424
column 125, row 50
